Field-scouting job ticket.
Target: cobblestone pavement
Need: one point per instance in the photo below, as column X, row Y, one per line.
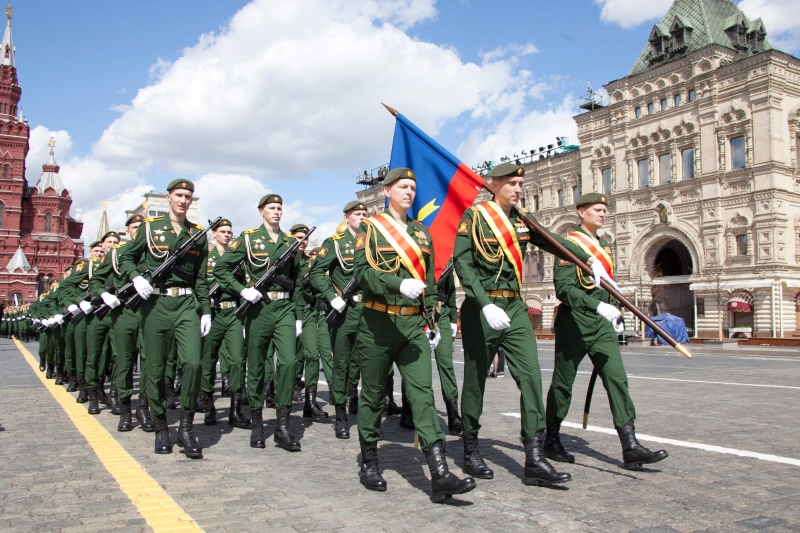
column 50, row 479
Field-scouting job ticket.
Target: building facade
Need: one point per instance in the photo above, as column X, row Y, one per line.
column 698, row 150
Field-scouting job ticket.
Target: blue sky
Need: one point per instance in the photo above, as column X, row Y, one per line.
column 285, row 97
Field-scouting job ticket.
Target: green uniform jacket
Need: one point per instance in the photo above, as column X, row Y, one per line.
column 74, row 288
column 213, row 257
column 258, row 248
column 336, row 258
column 108, row 270
column 477, row 274
column 149, row 247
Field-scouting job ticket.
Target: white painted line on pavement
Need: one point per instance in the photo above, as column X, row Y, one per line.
column 685, row 444
column 697, row 381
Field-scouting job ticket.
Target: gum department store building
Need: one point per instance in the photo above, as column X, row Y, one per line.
column 699, row 152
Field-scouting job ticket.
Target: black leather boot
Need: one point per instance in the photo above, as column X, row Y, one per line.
column 634, row 455
column 42, row 364
column 392, row 409
column 101, row 392
column 283, row 436
column 94, row 408
column 178, row 383
column 226, row 386
column 125, row 422
column 50, row 371
column 59, row 376
column 211, row 411
column 444, row 484
column 163, row 444
column 553, row 449
column 113, row 400
column 257, row 430
column 186, row 438
column 269, row 394
column 143, row 414
column 454, row 424
column 245, row 398
column 83, row 396
column 341, row 428
column 311, row 409
column 297, row 394
column 235, row 416
column 537, row 470
column 370, row 473
column 406, row 418
column 352, row 402
column 473, row 462
column 200, row 403
column 170, row 390
column 73, row 382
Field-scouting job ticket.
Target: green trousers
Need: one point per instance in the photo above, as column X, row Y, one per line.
column 444, row 362
column 56, row 353
column 97, row 333
column 127, row 333
column 225, row 338
column 324, row 346
column 171, row 323
column 81, row 348
column 306, row 350
column 44, row 342
column 267, row 322
column 481, row 343
column 603, row 349
column 345, row 365
column 383, row 340
column 69, row 348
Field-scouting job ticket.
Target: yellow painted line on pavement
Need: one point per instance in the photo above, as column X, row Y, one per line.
column 151, row 501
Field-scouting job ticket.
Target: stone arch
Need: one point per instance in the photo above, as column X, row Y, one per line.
column 567, row 224
column 635, row 93
column 648, row 88
column 704, row 66
column 618, row 96
column 674, row 79
column 650, row 243
column 734, row 114
column 661, row 83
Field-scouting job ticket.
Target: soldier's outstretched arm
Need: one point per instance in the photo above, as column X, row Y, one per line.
column 565, row 279
column 223, row 270
column 538, row 240
column 465, row 262
column 132, row 254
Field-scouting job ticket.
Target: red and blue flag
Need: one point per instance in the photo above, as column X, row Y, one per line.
column 446, row 187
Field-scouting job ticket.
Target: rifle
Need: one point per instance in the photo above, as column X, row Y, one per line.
column 307, row 296
column 79, row 314
column 272, row 276
column 443, row 277
column 216, row 291
column 169, row 265
column 347, row 295
column 99, row 306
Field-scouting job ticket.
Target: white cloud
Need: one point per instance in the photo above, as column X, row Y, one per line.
column 630, row 13
column 513, row 51
column 781, row 18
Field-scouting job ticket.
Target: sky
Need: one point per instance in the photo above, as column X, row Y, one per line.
column 284, row 96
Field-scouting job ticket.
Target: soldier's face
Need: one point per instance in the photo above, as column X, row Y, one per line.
column 109, row 243
column 401, row 193
column 509, row 190
column 301, row 235
column 593, row 216
column 354, row 218
column 132, row 227
column 97, row 251
column 179, row 201
column 272, row 213
column 223, row 235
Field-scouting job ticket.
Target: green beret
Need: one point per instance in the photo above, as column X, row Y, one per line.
column 506, row 169
column 298, row 227
column 180, row 184
column 356, row 204
column 270, row 199
column 110, row 234
column 591, row 198
column 397, row 174
column 95, row 243
column 223, row 222
column 134, row 218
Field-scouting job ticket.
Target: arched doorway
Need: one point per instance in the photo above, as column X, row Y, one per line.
column 671, row 263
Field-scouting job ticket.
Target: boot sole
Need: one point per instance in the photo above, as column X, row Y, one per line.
column 94, row 412
column 240, row 425
column 163, row 452
column 374, row 489
column 187, row 454
column 478, row 476
column 561, row 459
column 534, row 481
column 315, row 416
column 260, row 445
column 124, row 429
column 439, row 496
column 288, row 448
column 637, row 465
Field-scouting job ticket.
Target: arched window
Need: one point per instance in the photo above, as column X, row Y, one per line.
column 6, row 170
column 48, row 223
column 2, row 214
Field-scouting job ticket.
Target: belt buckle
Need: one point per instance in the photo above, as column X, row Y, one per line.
column 406, row 311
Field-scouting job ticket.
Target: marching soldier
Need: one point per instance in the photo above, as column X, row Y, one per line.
column 277, row 319
column 335, row 258
column 224, row 341
column 448, row 325
column 394, row 265
column 585, row 324
column 73, row 289
column 488, row 261
column 323, row 331
column 169, row 312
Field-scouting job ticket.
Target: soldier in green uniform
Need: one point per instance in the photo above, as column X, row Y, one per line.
column 69, row 337
column 448, row 324
column 323, row 333
column 170, row 312
column 73, row 290
column 225, row 338
column 586, row 324
column 394, row 265
column 488, row 261
column 331, row 271
column 277, row 318
column 39, row 314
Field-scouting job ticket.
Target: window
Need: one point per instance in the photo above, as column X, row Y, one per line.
column 644, row 173
column 576, row 194
column 663, row 104
column 650, row 108
column 741, row 244
column 560, row 197
column 665, row 168
column 688, row 163
column 677, row 100
column 607, row 180
column 737, row 152
column 692, row 95
column 536, row 202
column 701, row 307
column 48, row 223
column 2, row 212
column 638, row 112
column 5, row 171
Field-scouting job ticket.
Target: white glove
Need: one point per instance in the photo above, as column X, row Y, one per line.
column 412, row 288
column 46, row 322
column 143, row 287
column 73, row 308
column 298, row 326
column 619, row 327
column 86, row 307
column 496, row 317
column 251, row 294
column 608, row 311
column 59, row 319
column 338, row 304
column 205, row 325
column 454, row 327
column 435, row 340
column 599, row 272
column 110, row 300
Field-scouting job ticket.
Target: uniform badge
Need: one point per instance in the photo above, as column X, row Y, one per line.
column 348, row 248
column 463, row 227
column 608, row 250
column 361, row 240
column 235, row 244
column 323, row 252
column 421, row 237
column 564, row 262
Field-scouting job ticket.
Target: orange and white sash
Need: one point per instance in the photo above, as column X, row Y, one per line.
column 398, row 238
column 505, row 233
column 592, row 246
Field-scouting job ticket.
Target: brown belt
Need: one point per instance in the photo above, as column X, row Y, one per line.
column 503, row 294
column 404, row 310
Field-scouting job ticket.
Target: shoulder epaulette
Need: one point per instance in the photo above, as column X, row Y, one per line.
column 289, row 235
column 418, row 223
column 198, row 226
column 337, row 236
column 95, row 259
column 250, row 230
column 523, row 210
column 120, row 245
column 154, row 219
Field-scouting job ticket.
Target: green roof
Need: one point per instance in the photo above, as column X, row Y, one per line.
column 707, row 21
